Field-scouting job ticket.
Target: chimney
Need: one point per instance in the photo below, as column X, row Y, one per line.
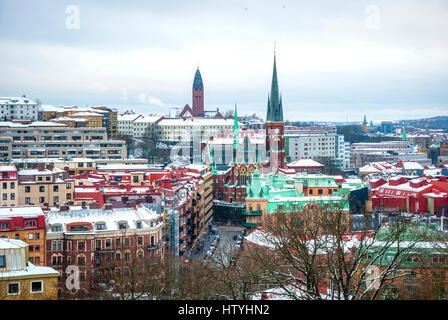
column 40, row 167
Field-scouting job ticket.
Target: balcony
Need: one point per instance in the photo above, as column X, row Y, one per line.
column 104, row 250
column 153, row 246
column 249, row 224
column 252, row 213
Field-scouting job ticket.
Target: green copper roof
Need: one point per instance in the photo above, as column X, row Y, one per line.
column 275, row 109
column 197, row 82
column 365, row 119
column 404, row 136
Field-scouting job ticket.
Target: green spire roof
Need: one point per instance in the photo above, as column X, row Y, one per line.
column 365, row 119
column 197, row 82
column 404, row 136
column 275, row 109
column 235, row 130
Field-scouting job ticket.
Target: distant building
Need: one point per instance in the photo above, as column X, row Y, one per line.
column 22, row 108
column 386, row 127
column 20, row 279
column 52, row 140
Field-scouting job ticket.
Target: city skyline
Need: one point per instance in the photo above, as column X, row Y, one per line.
column 335, row 63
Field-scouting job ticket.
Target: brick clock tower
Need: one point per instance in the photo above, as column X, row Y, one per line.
column 198, row 95
column 275, row 127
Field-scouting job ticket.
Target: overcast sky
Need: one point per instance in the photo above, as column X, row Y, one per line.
column 336, row 60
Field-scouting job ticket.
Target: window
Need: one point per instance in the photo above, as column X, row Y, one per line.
column 13, row 196
column 2, row 261
column 108, row 243
column 27, row 189
column 53, row 259
column 37, row 235
column 5, row 196
column 41, row 199
column 118, row 256
column 31, row 248
column 126, row 242
column 127, row 256
column 98, row 244
column 69, row 185
column 31, row 260
column 311, row 191
column 122, row 225
column 81, row 260
column 140, row 241
column 117, row 242
column 39, row 178
column 30, row 236
column 4, row 226
column 42, row 189
column 81, row 246
column 13, row 288
column 139, row 224
column 319, row 191
column 30, row 223
column 37, row 259
column 57, row 228
column 55, row 188
column 27, row 199
column 48, row 178
column 37, row 286
column 55, row 199
column 100, row 226
column 37, row 247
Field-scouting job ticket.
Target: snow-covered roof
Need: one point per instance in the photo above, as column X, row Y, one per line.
column 16, row 100
column 28, row 172
column 127, row 117
column 111, row 218
column 305, row 163
column 8, row 168
column 147, row 119
column 198, row 122
column 412, row 165
column 7, row 243
column 20, row 211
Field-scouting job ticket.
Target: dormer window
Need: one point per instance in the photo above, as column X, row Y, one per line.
column 57, row 228
column 139, row 225
column 122, row 225
column 101, row 226
column 79, row 228
column 30, row 223
column 4, row 225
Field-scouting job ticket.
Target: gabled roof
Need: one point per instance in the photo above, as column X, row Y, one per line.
column 186, row 112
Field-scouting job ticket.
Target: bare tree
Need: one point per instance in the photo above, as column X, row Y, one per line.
column 312, row 254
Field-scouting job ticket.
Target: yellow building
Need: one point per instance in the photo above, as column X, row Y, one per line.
column 20, row 279
column 45, row 186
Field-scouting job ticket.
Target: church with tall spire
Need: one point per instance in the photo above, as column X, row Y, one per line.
column 275, row 126
column 198, row 101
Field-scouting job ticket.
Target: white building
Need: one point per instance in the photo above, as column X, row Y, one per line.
column 126, row 123
column 18, row 108
column 177, row 130
column 318, row 145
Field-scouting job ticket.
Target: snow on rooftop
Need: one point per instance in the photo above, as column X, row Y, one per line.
column 305, row 163
column 27, row 172
column 8, row 168
column 20, row 211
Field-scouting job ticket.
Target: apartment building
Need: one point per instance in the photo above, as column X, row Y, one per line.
column 18, row 108
column 72, row 165
column 125, row 123
column 26, row 224
column 365, row 152
column 8, row 186
column 99, row 241
column 91, row 117
column 44, row 186
column 52, row 140
column 20, row 279
column 316, row 145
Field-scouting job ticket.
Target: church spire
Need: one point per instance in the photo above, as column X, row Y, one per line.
column 235, row 135
column 275, row 110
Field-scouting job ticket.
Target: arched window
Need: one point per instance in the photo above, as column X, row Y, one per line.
column 81, row 259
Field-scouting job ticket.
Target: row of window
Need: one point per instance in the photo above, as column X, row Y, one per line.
column 35, row 287
column 5, row 185
column 98, row 244
column 11, row 197
column 42, row 188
